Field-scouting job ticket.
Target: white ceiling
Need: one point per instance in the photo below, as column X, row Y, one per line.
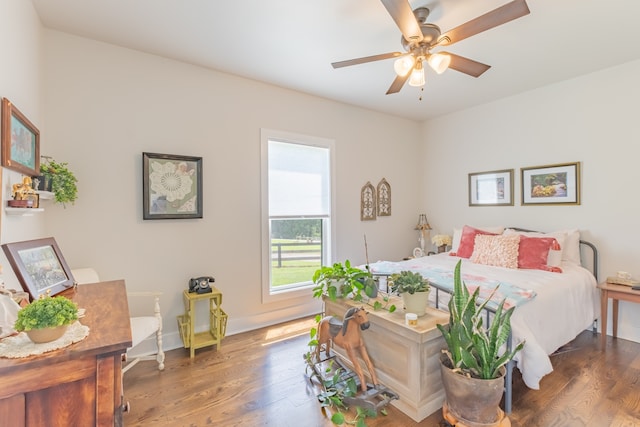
column 292, row 43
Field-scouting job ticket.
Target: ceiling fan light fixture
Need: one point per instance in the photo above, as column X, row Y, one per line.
column 439, row 62
column 417, row 75
column 404, row 64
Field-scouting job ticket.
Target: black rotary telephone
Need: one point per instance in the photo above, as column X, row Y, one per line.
column 201, row 285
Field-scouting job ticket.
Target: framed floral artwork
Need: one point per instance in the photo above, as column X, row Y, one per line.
column 171, row 186
column 551, row 185
column 20, row 141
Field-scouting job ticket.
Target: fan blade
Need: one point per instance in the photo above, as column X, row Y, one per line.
column 499, row 16
column 400, row 11
column 365, row 59
column 398, row 83
column 466, row 65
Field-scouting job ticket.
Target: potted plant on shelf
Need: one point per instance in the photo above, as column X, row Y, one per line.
column 61, row 179
column 414, row 290
column 46, row 319
column 473, row 364
column 341, row 280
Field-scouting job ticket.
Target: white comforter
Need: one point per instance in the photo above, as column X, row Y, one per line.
column 565, row 305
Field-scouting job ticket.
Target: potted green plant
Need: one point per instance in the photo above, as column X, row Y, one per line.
column 62, row 181
column 413, row 288
column 47, row 318
column 472, row 365
column 340, row 280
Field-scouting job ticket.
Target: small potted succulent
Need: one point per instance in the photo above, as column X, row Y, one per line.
column 46, row 319
column 414, row 290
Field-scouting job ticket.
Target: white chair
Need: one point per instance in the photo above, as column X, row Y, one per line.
column 142, row 327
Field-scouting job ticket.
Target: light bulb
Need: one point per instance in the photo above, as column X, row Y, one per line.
column 439, row 62
column 404, row 64
column 417, row 75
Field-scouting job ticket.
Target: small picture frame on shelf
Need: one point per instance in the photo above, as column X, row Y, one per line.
column 35, row 199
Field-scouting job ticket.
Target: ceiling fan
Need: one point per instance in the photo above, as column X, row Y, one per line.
column 419, row 37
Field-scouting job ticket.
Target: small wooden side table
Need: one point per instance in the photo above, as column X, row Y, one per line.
column 616, row 293
column 217, row 321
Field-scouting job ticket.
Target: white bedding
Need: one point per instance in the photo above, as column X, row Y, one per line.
column 565, row 305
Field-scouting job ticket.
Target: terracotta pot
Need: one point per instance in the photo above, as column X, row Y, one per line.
column 416, row 303
column 39, row 336
column 472, row 401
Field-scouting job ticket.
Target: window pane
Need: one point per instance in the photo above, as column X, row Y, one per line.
column 296, row 251
column 298, row 180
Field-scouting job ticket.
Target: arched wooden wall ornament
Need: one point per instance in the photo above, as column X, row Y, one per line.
column 384, row 198
column 368, row 202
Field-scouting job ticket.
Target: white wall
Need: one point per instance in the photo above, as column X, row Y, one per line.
column 20, row 83
column 593, row 120
column 105, row 105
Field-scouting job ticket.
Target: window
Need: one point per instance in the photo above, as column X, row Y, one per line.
column 296, row 212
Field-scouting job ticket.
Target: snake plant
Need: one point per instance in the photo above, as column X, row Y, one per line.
column 473, row 349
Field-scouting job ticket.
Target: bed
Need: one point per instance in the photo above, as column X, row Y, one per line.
column 554, row 303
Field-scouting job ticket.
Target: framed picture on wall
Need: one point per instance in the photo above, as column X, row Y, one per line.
column 493, row 188
column 171, row 186
column 551, row 185
column 20, row 141
column 39, row 266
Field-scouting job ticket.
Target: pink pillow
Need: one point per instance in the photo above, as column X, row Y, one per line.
column 467, row 241
column 533, row 253
column 499, row 251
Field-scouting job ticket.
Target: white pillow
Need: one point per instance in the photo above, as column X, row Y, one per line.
column 457, row 235
column 571, row 253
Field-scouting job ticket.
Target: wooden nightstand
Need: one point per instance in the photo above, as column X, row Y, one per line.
column 616, row 293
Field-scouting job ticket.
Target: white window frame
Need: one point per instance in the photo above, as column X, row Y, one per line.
column 282, row 136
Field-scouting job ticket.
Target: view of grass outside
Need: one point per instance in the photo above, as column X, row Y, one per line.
column 289, row 268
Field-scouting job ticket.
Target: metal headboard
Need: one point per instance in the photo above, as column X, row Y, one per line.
column 593, row 265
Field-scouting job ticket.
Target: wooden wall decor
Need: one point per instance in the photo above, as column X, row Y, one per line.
column 368, row 202
column 384, row 198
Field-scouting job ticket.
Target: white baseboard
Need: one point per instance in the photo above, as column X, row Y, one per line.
column 171, row 339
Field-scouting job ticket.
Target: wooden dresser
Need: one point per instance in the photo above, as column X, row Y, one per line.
column 80, row 385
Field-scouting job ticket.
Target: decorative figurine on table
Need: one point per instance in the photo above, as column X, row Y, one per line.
column 346, row 334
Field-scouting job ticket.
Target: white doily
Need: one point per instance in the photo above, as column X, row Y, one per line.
column 21, row 346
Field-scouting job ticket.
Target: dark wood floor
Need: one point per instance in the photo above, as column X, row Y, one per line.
column 258, row 379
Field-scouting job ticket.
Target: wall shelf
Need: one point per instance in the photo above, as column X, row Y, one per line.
column 22, row 211
column 46, row 195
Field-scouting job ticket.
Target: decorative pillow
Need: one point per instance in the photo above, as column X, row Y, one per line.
column 457, row 235
column 555, row 255
column 496, row 250
column 467, row 241
column 533, row 253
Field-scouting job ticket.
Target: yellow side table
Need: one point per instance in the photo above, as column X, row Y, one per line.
column 217, row 321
